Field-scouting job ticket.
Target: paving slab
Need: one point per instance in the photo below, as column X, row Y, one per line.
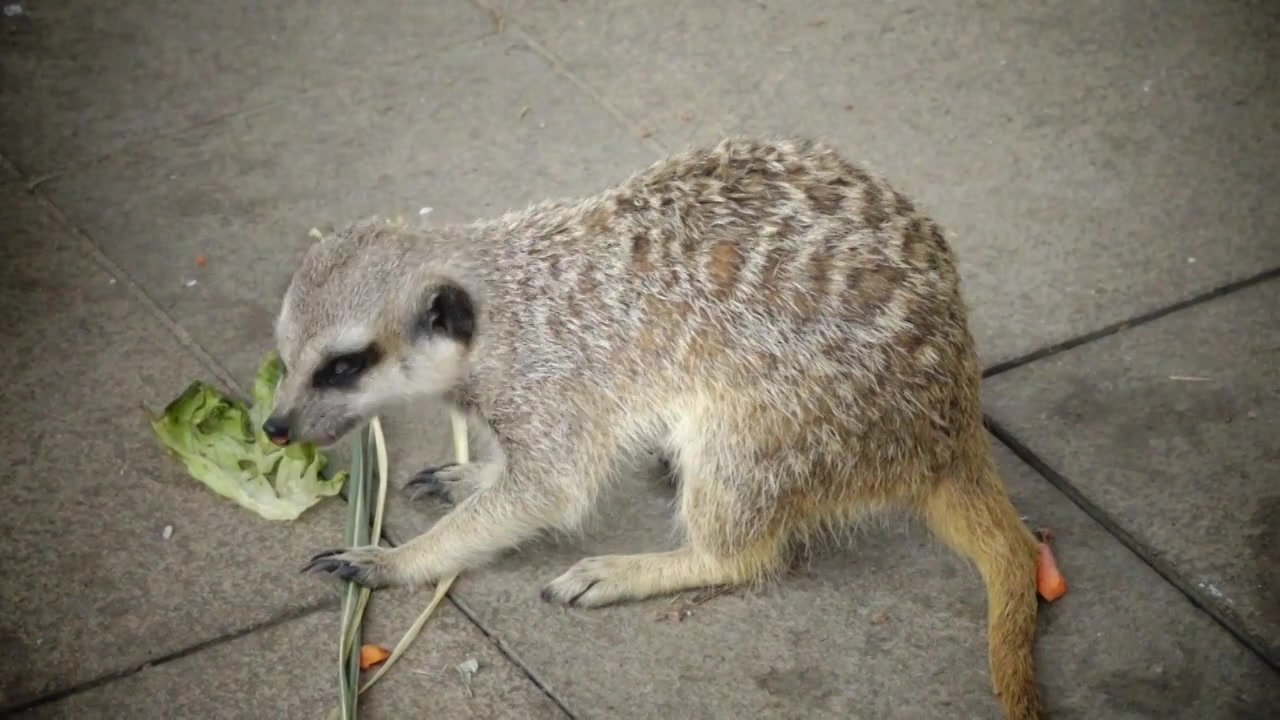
column 91, row 585
column 1092, row 161
column 82, row 78
column 290, row 671
column 1173, row 430
column 470, row 132
column 894, row 627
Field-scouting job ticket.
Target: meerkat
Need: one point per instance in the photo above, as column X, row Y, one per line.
column 781, row 323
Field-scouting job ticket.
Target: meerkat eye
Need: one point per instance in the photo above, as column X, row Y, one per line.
column 344, row 370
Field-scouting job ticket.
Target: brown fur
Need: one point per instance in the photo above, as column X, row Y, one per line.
column 786, row 326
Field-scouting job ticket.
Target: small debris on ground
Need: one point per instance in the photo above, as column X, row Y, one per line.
column 425, row 211
column 201, row 260
column 880, row 618
column 466, row 670
column 524, row 111
column 499, row 22
column 13, row 10
column 710, row 594
column 372, row 655
column 315, row 233
column 190, row 282
column 1050, row 583
column 167, row 532
column 674, row 615
column 685, row 610
column 1189, row 378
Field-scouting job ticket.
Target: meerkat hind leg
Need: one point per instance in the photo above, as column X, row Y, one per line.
column 711, row 516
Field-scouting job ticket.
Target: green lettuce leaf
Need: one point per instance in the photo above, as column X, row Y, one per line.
column 222, row 445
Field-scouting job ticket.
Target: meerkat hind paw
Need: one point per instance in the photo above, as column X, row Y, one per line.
column 611, row 579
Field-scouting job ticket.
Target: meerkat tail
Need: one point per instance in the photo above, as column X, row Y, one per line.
column 975, row 517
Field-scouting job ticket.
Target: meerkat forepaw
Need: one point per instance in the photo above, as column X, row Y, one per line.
column 368, row 566
column 451, row 482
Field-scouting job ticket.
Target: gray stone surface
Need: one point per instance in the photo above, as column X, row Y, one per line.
column 894, row 627
column 445, row 132
column 91, row 587
column 1093, row 160
column 1173, row 429
column 7, row 171
column 290, row 671
column 83, row 78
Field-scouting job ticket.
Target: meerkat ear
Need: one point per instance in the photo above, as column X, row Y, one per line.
column 448, row 311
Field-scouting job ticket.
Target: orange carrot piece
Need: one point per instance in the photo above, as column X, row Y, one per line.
column 371, row 655
column 1049, row 580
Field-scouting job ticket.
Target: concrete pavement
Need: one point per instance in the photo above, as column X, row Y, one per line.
column 1106, row 170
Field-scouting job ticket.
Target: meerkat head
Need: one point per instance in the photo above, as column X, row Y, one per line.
column 369, row 318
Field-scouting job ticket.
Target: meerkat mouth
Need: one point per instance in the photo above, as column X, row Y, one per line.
column 344, row 429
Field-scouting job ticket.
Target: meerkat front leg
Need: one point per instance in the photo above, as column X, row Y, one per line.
column 499, row 515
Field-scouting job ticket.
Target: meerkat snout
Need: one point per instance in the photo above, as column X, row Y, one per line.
column 276, row 428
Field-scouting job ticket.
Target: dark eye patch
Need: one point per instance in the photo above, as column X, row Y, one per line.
column 341, row 371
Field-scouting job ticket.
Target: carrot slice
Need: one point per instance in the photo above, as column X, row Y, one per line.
column 371, row 655
column 1049, row 580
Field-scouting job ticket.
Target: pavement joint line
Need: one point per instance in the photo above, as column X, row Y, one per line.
column 1165, row 569
column 184, row 338
column 510, row 654
column 7, row 164
column 496, row 640
column 557, row 64
column 281, row 619
column 125, row 147
column 1133, row 322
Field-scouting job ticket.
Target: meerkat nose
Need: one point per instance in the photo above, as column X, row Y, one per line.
column 277, row 430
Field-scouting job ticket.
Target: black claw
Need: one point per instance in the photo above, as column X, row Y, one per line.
column 321, row 565
column 426, row 484
column 547, row 595
column 434, row 488
column 347, row 572
column 320, row 561
column 428, row 475
column 338, row 568
column 573, row 601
